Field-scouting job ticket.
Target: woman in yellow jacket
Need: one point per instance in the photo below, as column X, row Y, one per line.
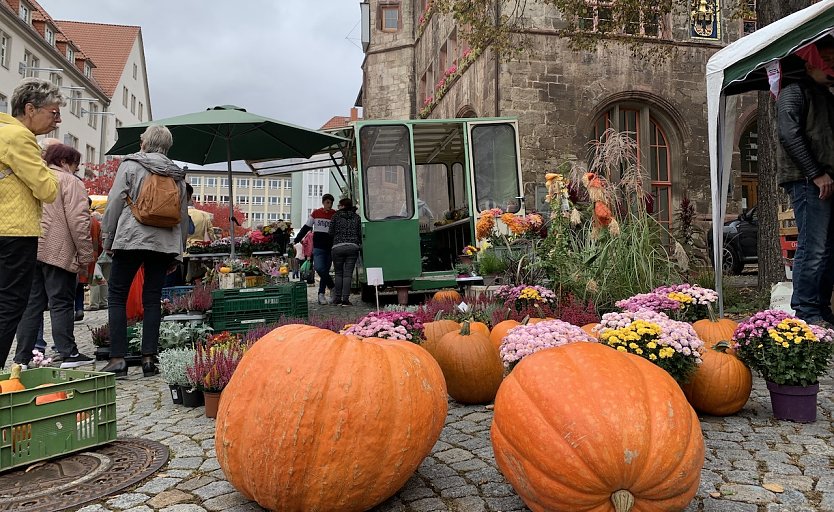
column 25, row 183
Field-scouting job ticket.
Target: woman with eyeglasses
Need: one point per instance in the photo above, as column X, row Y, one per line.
column 25, row 183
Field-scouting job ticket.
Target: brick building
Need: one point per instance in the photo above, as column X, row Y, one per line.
column 416, row 65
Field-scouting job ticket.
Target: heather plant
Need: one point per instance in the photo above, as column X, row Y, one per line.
column 213, row 366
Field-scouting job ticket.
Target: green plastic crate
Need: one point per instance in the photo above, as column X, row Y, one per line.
column 30, row 432
column 241, row 309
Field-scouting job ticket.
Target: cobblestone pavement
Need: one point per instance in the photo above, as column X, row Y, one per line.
column 744, row 453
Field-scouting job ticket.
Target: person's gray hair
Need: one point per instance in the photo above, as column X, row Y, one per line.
column 156, row 139
column 36, row 91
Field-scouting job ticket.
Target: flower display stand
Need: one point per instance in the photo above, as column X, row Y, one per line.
column 231, row 280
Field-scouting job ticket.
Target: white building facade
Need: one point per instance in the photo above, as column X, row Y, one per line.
column 264, row 200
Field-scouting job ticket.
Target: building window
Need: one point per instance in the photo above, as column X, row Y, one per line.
column 210, row 198
column 392, row 175
column 24, row 12
column 70, row 54
column 141, row 110
column 71, row 140
column 135, row 71
column 653, row 154
column 223, row 199
column 132, row 104
column 75, row 103
column 49, row 35
column 27, row 62
column 90, row 155
column 750, row 23
column 257, row 217
column 124, row 97
column 598, row 16
column 257, row 183
column 272, row 217
column 4, row 103
column 242, row 183
column 88, row 69
column 258, row 200
column 390, row 17
column 315, row 190
column 195, row 181
column 5, row 48
column 288, row 201
column 242, row 199
column 56, row 79
column 274, row 200
column 211, row 182
column 224, row 182
column 288, row 184
column 92, row 116
column 274, row 184
column 197, row 198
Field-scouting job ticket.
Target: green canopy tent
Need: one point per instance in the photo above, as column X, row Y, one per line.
column 226, row 133
column 743, row 66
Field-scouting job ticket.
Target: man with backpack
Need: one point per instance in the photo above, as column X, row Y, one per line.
column 145, row 224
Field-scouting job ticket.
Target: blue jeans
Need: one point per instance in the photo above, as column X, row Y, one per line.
column 813, row 264
column 322, row 262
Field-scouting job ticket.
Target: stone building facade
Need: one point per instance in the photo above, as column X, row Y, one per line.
column 564, row 98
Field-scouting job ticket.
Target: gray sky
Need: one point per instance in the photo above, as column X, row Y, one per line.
column 287, row 59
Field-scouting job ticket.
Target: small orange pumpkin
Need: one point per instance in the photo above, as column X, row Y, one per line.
column 479, row 327
column 534, row 321
column 470, row 364
column 496, row 336
column 13, row 383
column 713, row 330
column 589, row 329
column 447, row 296
column 722, row 383
column 433, row 331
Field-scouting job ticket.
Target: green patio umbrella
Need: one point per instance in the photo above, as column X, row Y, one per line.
column 226, row 133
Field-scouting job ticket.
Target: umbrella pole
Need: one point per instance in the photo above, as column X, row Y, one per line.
column 231, row 196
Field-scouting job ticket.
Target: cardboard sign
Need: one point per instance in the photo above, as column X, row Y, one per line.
column 374, row 275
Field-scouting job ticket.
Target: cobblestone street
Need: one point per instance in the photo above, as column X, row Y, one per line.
column 744, row 453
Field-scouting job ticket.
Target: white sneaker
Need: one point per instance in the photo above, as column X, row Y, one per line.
column 322, row 299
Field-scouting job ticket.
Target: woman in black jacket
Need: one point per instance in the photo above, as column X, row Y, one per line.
column 346, row 232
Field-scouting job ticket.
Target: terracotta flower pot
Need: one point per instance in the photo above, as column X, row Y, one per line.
column 212, row 399
column 794, row 403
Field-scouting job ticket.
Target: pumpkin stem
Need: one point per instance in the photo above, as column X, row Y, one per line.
column 721, row 346
column 525, row 320
column 623, row 500
column 464, row 328
column 711, row 313
column 439, row 315
column 15, row 373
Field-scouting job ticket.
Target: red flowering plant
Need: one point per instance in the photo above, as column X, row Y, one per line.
column 215, row 361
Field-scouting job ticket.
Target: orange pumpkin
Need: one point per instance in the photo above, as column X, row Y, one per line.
column 713, row 330
column 722, row 383
column 496, row 336
column 447, row 296
column 479, row 327
column 589, row 329
column 534, row 321
column 470, row 364
column 433, row 331
column 624, row 434
column 13, row 382
column 313, row 420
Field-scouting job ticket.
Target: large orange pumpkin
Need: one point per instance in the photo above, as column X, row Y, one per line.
column 470, row 364
column 479, row 327
column 447, row 295
column 624, row 434
column 714, row 330
column 313, row 420
column 589, row 329
column 496, row 336
column 722, row 383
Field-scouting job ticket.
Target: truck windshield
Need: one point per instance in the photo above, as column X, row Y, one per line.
column 387, row 174
column 495, row 165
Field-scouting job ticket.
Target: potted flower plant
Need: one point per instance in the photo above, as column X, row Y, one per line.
column 172, row 366
column 791, row 356
column 213, row 365
column 524, row 340
column 392, row 325
column 671, row 345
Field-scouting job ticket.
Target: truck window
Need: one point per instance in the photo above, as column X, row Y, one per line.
column 495, row 165
column 386, row 172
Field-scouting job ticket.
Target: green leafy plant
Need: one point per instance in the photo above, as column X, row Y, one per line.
column 173, row 363
column 491, row 264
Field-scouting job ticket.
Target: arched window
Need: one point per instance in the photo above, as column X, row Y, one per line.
column 748, row 146
column 654, row 153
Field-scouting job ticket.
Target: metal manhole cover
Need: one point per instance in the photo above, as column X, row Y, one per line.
column 81, row 477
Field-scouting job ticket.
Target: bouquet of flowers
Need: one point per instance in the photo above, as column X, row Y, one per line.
column 670, row 344
column 392, row 325
column 684, row 302
column 784, row 349
column 519, row 226
column 525, row 296
column 524, row 340
column 470, row 250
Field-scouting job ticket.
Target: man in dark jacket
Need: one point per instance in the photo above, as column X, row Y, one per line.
column 805, row 161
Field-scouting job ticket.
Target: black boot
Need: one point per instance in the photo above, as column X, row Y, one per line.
column 118, row 367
